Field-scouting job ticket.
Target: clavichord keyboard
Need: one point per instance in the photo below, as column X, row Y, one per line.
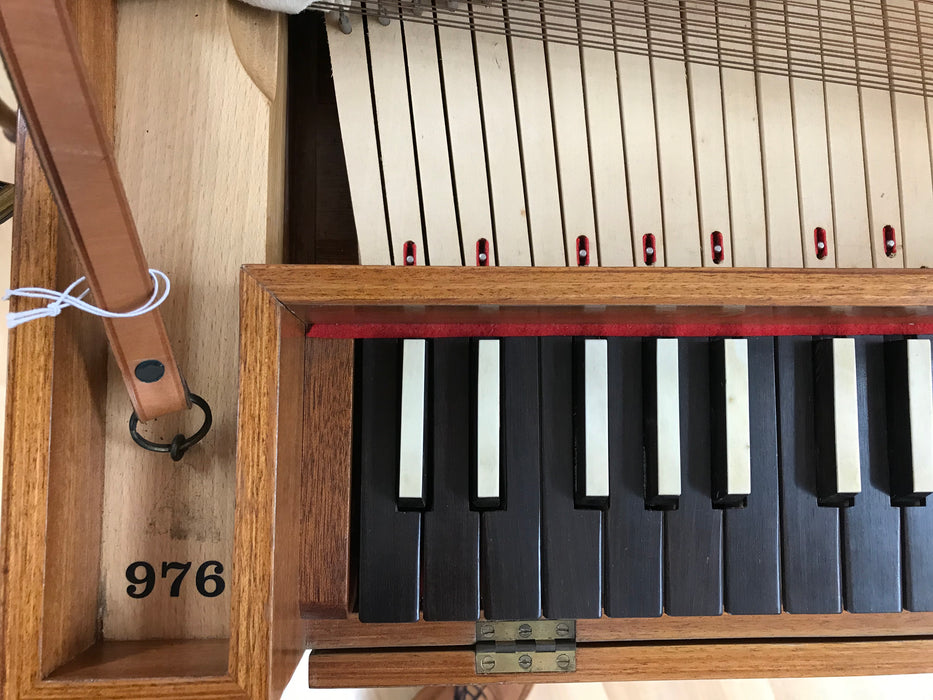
column 576, row 476
column 573, row 477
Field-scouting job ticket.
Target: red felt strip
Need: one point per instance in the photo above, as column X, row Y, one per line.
column 669, row 329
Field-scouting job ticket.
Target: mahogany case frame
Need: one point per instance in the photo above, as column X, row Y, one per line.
column 349, row 653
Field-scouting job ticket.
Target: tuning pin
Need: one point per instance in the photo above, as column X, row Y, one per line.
column 417, row 8
column 452, row 5
column 382, row 14
column 343, row 21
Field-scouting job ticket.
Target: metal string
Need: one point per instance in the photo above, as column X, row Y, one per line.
column 815, row 39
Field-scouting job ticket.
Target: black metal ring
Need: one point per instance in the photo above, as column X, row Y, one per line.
column 179, row 444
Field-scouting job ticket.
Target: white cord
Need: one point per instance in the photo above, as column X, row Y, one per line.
column 60, row 300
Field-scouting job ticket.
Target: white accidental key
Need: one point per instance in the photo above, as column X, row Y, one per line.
column 668, row 417
column 411, row 446
column 920, row 398
column 738, row 430
column 596, row 407
column 845, row 417
column 487, row 424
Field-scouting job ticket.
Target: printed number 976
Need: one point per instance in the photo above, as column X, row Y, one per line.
column 142, row 578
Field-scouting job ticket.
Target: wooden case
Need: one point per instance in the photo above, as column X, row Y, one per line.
column 195, row 90
column 346, row 652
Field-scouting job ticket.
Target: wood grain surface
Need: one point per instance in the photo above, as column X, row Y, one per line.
column 631, row 662
column 45, row 357
column 197, row 164
column 351, row 633
column 734, row 300
column 265, row 632
column 389, row 286
column 327, row 427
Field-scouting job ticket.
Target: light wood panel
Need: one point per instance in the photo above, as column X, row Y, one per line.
column 465, row 131
column 393, row 122
column 911, row 115
column 570, row 136
column 740, row 106
column 434, row 175
column 500, row 132
column 706, row 109
column 539, row 162
column 847, row 163
column 225, row 210
column 778, row 157
column 360, row 148
column 883, row 191
column 675, row 140
column 641, row 141
column 607, row 153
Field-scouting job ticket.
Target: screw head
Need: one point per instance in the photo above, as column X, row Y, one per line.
column 487, row 630
column 563, row 662
column 524, row 661
column 563, row 629
column 488, row 663
column 524, row 631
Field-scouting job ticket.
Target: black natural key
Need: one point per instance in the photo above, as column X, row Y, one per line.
column 811, row 577
column 693, row 532
column 451, row 528
column 633, row 533
column 918, row 556
column 571, row 542
column 751, row 534
column 510, row 569
column 390, row 540
column 871, row 533
column 910, row 420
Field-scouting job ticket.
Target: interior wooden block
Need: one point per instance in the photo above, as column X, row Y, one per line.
column 326, row 479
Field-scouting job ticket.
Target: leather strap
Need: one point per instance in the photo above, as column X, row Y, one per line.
column 44, row 60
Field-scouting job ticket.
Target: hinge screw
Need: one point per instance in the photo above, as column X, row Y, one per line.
column 488, row 630
column 488, row 663
column 524, row 631
column 563, row 662
column 563, row 629
column 525, row 661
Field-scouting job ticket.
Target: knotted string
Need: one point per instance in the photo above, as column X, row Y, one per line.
column 60, row 300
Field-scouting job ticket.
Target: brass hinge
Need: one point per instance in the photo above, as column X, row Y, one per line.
column 535, row 646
